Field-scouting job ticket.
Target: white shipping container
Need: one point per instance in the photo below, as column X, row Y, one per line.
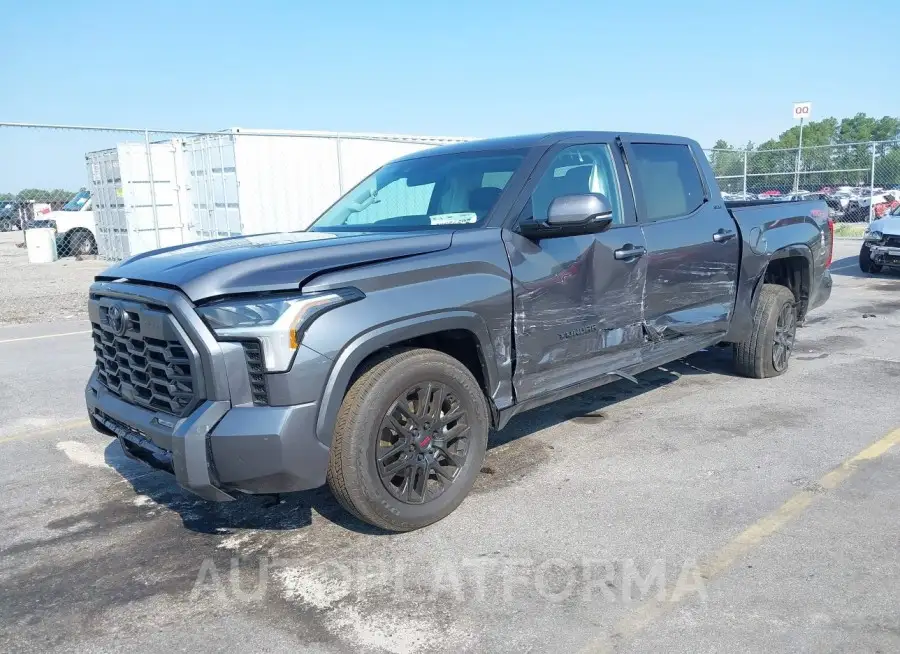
column 129, row 218
column 252, row 181
column 229, row 183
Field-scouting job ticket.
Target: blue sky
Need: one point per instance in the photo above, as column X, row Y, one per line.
column 476, row 68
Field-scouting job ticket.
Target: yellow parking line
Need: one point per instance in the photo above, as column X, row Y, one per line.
column 62, row 426
column 741, row 545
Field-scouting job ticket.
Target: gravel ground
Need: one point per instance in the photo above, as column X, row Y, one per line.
column 580, row 503
column 42, row 292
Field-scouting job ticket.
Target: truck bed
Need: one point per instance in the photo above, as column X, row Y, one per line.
column 777, row 230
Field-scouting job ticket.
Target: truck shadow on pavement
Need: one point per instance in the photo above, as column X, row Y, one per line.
column 292, row 511
column 287, row 511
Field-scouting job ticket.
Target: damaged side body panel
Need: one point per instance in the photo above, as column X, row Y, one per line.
column 577, row 313
column 691, row 279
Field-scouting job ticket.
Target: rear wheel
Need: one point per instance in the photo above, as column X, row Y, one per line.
column 80, row 243
column 767, row 352
column 865, row 261
column 409, row 441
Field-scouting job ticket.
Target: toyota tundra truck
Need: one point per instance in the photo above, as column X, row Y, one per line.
column 447, row 292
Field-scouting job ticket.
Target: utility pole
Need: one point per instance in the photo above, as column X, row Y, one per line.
column 799, row 160
column 801, row 111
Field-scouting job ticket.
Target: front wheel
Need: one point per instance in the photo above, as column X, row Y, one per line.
column 410, row 439
column 865, row 261
column 767, row 351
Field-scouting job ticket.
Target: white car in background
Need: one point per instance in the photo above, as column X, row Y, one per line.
column 881, row 246
column 76, row 231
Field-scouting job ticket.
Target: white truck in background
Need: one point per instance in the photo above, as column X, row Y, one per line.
column 76, row 231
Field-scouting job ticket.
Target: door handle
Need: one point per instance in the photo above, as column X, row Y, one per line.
column 629, row 252
column 722, row 235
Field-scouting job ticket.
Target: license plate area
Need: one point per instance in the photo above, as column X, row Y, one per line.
column 136, row 445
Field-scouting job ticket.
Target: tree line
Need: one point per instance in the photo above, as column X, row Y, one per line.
column 847, row 159
column 38, row 195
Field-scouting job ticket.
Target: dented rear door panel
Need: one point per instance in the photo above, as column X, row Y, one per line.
column 693, row 256
column 691, row 279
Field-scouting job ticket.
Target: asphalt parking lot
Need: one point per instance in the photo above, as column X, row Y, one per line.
column 696, row 512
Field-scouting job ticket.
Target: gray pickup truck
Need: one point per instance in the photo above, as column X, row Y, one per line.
column 447, row 292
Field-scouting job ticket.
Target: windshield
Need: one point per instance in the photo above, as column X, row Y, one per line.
column 77, row 202
column 429, row 192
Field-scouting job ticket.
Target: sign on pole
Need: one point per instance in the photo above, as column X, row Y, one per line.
column 802, row 110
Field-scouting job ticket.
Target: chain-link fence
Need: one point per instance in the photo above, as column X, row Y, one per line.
column 859, row 181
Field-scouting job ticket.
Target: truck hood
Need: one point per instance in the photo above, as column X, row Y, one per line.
column 267, row 262
column 887, row 225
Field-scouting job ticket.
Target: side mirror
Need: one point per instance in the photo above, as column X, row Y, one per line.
column 571, row 215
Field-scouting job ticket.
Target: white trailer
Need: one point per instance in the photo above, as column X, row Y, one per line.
column 138, row 198
column 254, row 181
column 228, row 183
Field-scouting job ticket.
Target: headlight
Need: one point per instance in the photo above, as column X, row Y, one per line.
column 873, row 236
column 276, row 321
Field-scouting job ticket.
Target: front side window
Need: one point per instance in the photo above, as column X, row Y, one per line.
column 668, row 179
column 578, row 170
column 435, row 191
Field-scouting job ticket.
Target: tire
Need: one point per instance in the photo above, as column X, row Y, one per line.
column 761, row 356
column 865, row 261
column 362, row 435
column 81, row 243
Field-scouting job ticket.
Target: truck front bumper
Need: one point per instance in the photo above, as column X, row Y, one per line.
column 222, row 438
column 218, row 450
column 884, row 255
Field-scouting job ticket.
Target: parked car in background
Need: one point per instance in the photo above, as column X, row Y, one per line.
column 881, row 244
column 839, row 200
column 884, row 203
column 10, row 216
column 75, row 226
column 865, row 197
column 448, row 291
column 792, row 196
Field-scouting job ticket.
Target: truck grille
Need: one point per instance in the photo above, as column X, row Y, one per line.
column 145, row 362
column 892, row 241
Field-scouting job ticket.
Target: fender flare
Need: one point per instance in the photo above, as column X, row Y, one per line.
column 798, row 250
column 384, row 336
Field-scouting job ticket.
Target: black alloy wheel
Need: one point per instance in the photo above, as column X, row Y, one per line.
column 423, row 442
column 785, row 332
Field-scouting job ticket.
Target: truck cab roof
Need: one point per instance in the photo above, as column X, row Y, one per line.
column 542, row 140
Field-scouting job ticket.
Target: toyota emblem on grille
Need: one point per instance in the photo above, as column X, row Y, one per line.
column 117, row 318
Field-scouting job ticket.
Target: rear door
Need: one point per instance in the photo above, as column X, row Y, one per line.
column 576, row 299
column 693, row 249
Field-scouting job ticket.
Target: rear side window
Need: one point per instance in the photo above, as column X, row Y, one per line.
column 668, row 178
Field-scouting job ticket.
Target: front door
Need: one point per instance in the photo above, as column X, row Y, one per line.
column 693, row 249
column 577, row 299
